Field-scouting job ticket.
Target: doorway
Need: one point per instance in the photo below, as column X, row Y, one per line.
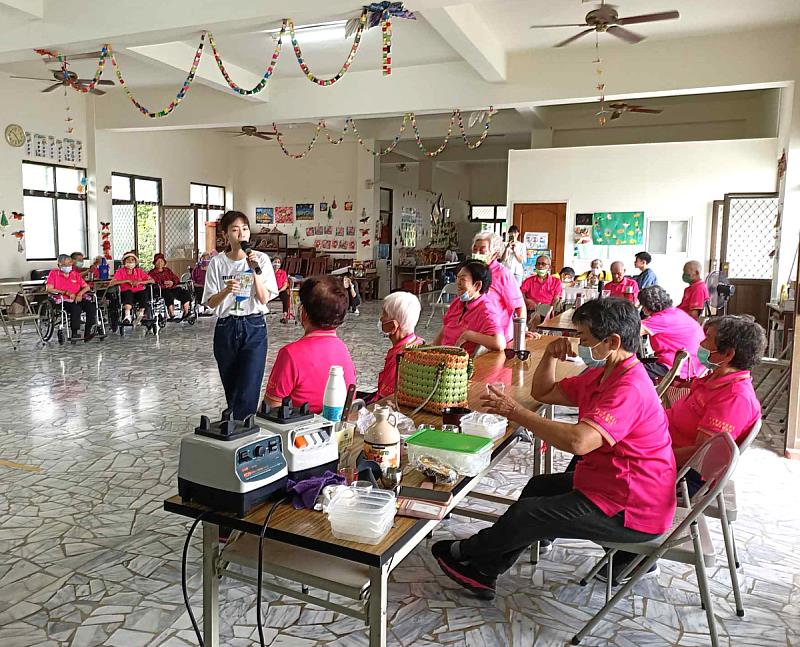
column 545, row 217
column 135, row 204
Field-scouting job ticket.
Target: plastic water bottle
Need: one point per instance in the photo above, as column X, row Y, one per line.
column 335, row 395
column 103, row 269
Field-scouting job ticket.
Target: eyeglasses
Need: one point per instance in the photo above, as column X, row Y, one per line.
column 520, row 354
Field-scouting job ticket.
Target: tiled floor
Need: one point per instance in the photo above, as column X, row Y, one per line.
column 88, row 444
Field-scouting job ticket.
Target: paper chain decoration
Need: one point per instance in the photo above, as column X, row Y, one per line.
column 350, row 124
column 372, row 15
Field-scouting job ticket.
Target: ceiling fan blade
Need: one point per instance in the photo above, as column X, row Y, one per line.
column 53, row 87
column 574, row 38
column 649, row 111
column 73, row 57
column 577, row 24
column 616, row 115
column 649, row 17
column 264, row 137
column 105, row 82
column 32, row 78
column 618, row 105
column 625, row 34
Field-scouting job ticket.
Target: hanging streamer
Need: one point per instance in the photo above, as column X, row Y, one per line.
column 267, row 73
column 101, row 66
column 473, row 145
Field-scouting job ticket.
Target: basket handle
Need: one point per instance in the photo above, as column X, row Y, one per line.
column 439, row 372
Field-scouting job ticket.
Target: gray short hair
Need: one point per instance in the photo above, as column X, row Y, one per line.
column 63, row 257
column 655, row 298
column 744, row 335
column 404, row 308
column 495, row 240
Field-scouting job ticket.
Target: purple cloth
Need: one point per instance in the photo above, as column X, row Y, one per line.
column 304, row 493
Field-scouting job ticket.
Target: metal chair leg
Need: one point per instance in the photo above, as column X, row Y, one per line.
column 702, row 584
column 733, row 543
column 729, row 552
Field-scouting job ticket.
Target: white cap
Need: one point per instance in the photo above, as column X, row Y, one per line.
column 336, row 370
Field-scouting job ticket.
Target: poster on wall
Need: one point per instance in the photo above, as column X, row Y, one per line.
column 582, row 235
column 618, row 228
column 340, row 232
column 319, row 230
column 536, row 239
column 265, row 216
column 329, row 230
column 318, row 244
column 326, row 243
column 284, row 215
column 310, row 232
column 304, row 211
column 348, row 206
column 351, row 231
column 323, row 207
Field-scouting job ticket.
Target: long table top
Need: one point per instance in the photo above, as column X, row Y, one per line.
column 311, row 529
column 562, row 322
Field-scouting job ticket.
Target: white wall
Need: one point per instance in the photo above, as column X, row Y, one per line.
column 666, row 181
column 488, row 182
column 24, row 104
column 265, row 177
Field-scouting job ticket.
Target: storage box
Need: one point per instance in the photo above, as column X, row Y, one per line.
column 362, row 517
column 484, row 424
column 466, row 454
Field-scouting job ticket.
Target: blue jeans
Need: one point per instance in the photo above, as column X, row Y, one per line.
column 240, row 348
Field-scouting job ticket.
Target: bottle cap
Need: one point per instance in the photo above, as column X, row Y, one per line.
column 336, row 370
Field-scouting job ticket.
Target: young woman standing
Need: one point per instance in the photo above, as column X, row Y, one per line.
column 239, row 297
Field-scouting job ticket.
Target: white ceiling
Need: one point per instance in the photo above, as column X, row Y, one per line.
column 511, row 19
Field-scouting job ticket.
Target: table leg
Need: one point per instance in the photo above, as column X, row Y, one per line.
column 378, row 589
column 210, row 585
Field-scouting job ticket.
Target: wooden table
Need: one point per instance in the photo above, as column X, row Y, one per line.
column 368, row 286
column 560, row 323
column 308, row 531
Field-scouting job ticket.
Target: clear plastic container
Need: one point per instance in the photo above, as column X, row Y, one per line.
column 467, row 454
column 484, row 424
column 362, row 517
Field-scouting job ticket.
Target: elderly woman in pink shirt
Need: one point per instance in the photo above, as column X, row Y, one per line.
column 505, row 291
column 68, row 287
column 473, row 320
column 624, row 488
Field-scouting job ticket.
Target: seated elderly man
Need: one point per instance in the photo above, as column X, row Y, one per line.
column 621, row 286
column 595, row 274
column 624, row 488
column 66, row 286
column 670, row 330
column 486, row 246
column 301, row 368
column 542, row 288
column 695, row 295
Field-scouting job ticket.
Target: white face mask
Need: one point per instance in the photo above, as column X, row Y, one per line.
column 65, row 268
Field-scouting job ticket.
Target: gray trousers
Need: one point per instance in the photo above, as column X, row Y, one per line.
column 548, row 508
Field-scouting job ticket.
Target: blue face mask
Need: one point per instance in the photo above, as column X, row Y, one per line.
column 465, row 298
column 65, row 268
column 703, row 354
column 585, row 353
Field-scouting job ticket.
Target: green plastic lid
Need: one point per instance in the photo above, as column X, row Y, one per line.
column 448, row 441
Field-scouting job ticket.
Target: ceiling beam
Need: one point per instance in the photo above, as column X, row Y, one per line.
column 179, row 55
column 31, row 8
column 466, row 31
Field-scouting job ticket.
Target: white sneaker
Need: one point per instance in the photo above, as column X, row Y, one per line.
column 126, row 320
column 356, row 312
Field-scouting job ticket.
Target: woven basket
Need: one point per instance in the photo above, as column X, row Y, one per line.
column 433, row 378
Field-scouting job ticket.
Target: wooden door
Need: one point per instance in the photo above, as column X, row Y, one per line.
column 545, row 216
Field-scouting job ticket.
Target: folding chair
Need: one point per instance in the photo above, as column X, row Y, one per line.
column 726, row 510
column 715, row 461
column 681, row 357
column 12, row 325
column 446, row 297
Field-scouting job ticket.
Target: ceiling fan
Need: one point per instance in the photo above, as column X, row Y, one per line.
column 606, row 19
column 74, row 57
column 64, row 78
column 252, row 131
column 620, row 108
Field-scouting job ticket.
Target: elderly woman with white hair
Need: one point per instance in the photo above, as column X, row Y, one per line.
column 399, row 318
column 506, row 293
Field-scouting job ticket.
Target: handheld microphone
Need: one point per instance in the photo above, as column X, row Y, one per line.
column 246, row 248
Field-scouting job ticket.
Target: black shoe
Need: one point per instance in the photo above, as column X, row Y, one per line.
column 89, row 336
column 545, row 546
column 466, row 575
column 74, row 339
column 620, row 564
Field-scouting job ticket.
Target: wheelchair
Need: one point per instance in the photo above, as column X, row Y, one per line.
column 154, row 318
column 53, row 318
column 194, row 308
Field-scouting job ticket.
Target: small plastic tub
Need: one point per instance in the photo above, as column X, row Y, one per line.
column 467, row 454
column 487, row 425
column 362, row 517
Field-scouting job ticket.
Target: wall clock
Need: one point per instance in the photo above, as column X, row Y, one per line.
column 15, row 136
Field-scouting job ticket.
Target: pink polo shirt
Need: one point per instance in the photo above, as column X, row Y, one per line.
column 281, row 278
column 672, row 330
column 301, row 368
column 386, row 378
column 72, row 283
column 694, row 296
column 715, row 404
column 621, row 289
column 508, row 296
column 542, row 290
column 480, row 315
column 138, row 274
column 634, row 470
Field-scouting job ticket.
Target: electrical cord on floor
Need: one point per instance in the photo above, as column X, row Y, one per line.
column 183, row 580
column 259, row 621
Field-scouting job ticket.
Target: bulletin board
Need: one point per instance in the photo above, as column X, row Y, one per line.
column 618, row 228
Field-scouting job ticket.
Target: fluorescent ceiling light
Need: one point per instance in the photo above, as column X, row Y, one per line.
column 316, row 33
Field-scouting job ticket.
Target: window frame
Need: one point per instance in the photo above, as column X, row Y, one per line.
column 131, row 177
column 206, row 206
column 670, row 224
column 494, row 207
column 55, row 195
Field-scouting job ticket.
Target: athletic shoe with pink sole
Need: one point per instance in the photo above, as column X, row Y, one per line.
column 466, row 575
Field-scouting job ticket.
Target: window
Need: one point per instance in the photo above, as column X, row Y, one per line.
column 491, row 216
column 668, row 236
column 210, row 202
column 134, row 216
column 55, row 211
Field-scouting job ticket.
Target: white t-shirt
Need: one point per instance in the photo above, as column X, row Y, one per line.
column 221, row 269
column 511, row 262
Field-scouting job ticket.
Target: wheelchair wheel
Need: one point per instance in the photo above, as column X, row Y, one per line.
column 61, row 337
column 161, row 320
column 45, row 321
